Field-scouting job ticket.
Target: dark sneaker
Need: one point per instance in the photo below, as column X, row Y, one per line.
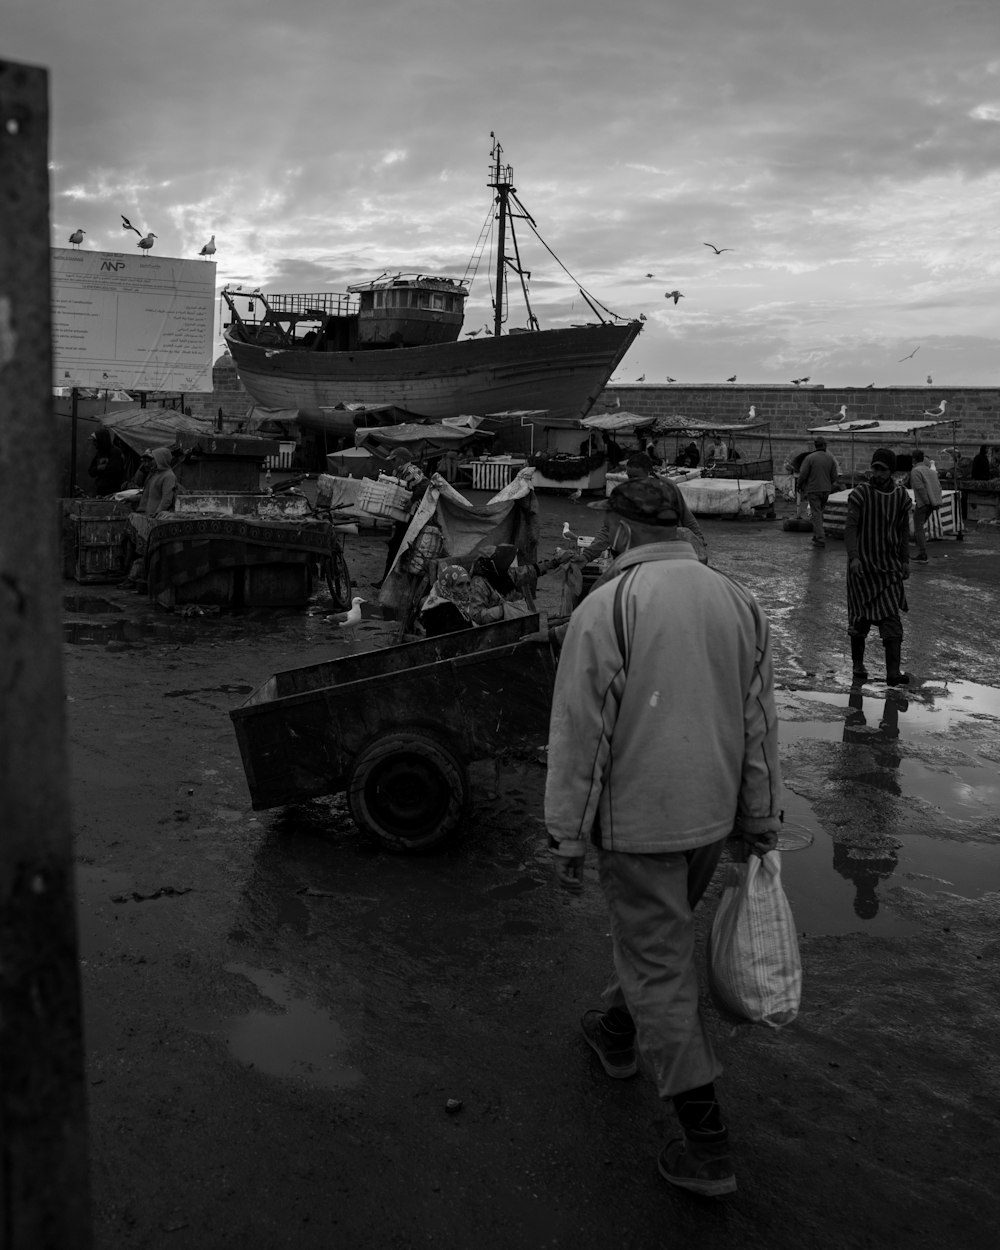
column 702, row 1169
column 616, row 1051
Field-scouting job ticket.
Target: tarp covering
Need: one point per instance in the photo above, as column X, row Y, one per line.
column 352, row 417
column 695, row 429
column 618, row 422
column 141, row 429
column 879, row 429
column 422, row 440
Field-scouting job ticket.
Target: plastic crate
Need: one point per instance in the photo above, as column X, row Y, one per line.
column 383, row 498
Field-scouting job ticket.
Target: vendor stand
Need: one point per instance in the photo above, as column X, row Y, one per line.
column 947, row 522
column 740, row 485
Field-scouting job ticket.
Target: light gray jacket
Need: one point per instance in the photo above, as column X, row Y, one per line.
column 663, row 735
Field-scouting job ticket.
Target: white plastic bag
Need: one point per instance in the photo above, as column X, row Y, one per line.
column 753, row 963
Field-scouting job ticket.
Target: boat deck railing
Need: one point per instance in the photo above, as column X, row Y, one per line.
column 322, row 304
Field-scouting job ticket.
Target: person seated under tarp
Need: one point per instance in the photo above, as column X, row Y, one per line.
column 499, row 587
column 689, row 456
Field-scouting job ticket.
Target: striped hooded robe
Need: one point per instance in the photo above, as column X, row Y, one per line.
column 878, row 533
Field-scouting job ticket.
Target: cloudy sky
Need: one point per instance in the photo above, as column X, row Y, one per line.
column 847, row 151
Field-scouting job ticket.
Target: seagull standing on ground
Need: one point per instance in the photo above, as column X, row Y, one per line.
column 753, row 412
column 717, row 250
column 939, row 411
column 351, row 618
column 842, row 415
column 674, row 295
column 576, row 496
column 76, row 238
column 209, row 248
column 147, row 242
column 567, row 533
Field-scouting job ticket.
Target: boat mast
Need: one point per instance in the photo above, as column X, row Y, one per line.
column 503, row 184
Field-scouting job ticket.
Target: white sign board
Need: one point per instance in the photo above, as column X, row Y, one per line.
column 143, row 322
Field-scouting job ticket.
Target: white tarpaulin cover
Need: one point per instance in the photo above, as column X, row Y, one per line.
column 617, row 422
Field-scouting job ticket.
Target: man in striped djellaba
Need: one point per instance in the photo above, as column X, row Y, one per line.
column 877, row 537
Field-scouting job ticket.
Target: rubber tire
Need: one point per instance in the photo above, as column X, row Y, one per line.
column 409, row 791
column 338, row 579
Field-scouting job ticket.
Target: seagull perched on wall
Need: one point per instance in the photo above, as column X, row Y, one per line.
column 732, row 379
column 147, row 242
column 842, row 414
column 76, row 238
column 753, row 412
column 349, row 619
column 717, row 250
column 209, row 248
column 671, row 379
column 929, row 379
column 642, row 378
column 939, row 411
column 674, row 295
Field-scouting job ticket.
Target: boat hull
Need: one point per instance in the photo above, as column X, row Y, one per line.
column 562, row 371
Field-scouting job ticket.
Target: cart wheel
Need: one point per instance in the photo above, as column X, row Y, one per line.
column 338, row 578
column 408, row 790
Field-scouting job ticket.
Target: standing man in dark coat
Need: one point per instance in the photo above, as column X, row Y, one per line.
column 877, row 538
column 818, row 475
column 108, row 465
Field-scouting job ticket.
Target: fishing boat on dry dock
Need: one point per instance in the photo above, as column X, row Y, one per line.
column 395, row 340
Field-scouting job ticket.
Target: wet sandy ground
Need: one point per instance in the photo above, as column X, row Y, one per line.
column 278, row 1012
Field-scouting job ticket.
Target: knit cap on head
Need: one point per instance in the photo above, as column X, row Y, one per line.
column 648, row 502
column 884, row 457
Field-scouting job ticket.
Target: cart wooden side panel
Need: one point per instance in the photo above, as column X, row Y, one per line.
column 303, row 746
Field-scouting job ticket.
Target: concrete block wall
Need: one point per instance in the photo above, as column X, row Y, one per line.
column 792, row 411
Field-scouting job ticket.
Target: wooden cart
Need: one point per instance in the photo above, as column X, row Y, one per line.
column 396, row 728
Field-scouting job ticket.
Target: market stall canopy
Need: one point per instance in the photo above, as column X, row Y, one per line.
column 618, row 422
column 881, row 429
column 699, row 429
column 143, row 428
column 423, row 440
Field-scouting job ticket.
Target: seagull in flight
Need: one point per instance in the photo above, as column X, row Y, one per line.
column 76, row 238
column 351, row 618
column 799, row 381
column 939, row 410
column 127, row 225
column 910, row 357
column 674, row 295
column 650, row 275
column 209, row 248
column 732, row 379
column 718, row 250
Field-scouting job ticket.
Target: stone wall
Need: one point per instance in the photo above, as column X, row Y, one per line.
column 792, row 411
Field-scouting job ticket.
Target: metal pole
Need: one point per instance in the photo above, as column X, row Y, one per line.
column 75, row 398
column 44, row 1184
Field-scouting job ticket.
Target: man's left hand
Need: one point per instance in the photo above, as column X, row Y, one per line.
column 569, row 872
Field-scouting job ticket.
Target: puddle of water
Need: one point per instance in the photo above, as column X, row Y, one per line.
column 89, row 603
column 836, row 888
column 299, row 1041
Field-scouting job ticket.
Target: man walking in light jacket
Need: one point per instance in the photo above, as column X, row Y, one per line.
column 663, row 743
column 927, row 498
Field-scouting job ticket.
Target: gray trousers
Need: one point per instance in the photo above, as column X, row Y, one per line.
column 651, row 900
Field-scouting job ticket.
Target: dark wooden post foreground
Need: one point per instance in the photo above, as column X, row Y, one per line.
column 44, row 1189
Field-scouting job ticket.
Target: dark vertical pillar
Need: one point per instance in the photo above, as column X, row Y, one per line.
column 44, row 1190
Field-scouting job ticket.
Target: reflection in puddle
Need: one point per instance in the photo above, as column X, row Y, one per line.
column 299, row 1041
column 879, row 851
